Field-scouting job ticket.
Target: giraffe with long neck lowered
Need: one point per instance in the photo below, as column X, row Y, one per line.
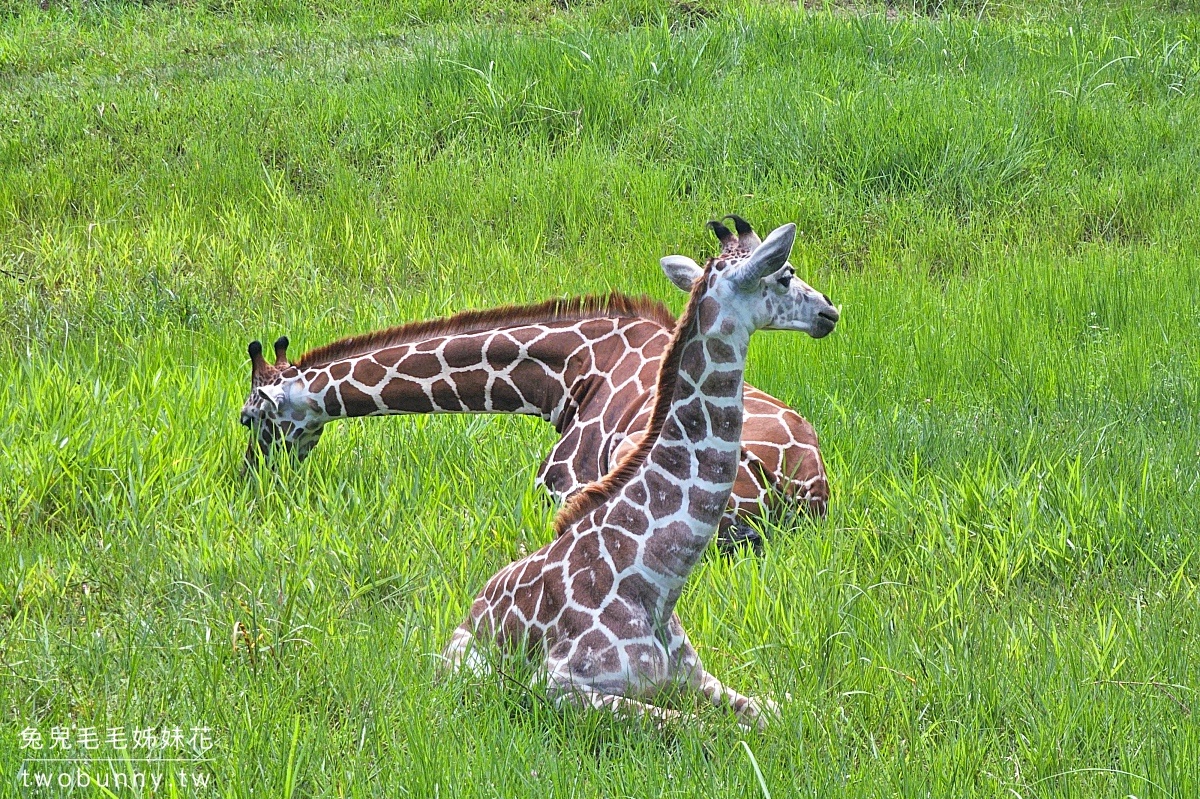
column 587, row 366
column 595, row 607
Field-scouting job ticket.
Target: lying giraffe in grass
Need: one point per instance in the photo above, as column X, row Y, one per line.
column 596, row 606
column 586, row 365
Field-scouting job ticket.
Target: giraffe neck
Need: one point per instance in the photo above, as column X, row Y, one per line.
column 690, row 469
column 533, row 369
column 666, row 500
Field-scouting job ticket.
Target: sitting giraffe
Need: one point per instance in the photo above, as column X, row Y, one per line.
column 598, row 602
column 587, row 366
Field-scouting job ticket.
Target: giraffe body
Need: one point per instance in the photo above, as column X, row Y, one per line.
column 595, row 607
column 588, row 366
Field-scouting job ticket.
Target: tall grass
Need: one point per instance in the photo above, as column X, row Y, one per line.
column 1003, row 600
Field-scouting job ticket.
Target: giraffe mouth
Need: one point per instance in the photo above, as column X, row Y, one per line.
column 825, row 322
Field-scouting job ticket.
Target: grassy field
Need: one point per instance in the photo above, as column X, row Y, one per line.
column 1003, row 600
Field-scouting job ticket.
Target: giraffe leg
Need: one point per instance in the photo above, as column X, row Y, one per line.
column 462, row 652
column 734, row 535
column 751, row 712
column 586, row 696
column 752, row 489
column 563, row 685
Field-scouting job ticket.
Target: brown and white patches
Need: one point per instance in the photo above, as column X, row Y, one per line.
column 580, row 308
column 666, row 495
column 676, row 461
column 368, row 373
column 626, row 544
column 621, row 547
column 403, row 394
column 547, row 367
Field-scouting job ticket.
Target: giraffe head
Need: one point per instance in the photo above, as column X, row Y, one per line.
column 757, row 276
column 271, row 413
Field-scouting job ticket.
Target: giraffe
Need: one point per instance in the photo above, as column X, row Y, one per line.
column 597, row 603
column 586, row 365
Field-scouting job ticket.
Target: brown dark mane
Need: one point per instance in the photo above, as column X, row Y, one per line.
column 597, row 493
column 574, row 308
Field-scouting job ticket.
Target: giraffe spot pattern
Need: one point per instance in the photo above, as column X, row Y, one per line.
column 722, row 384
column 369, row 373
column 445, row 396
column 691, row 418
column 674, row 460
column 625, row 516
column 406, row 395
column 693, row 362
column 505, row 397
column 357, row 400
column 666, row 497
column 623, row 621
column 726, row 421
column 707, row 506
column 715, row 466
column 463, row 352
column 709, row 311
column 472, row 388
column 333, row 407
column 672, row 548
column 622, row 548
column 420, row 365
column 720, row 352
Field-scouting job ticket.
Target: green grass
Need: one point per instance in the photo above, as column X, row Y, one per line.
column 1003, row 601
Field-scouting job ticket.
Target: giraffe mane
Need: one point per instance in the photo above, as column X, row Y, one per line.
column 479, row 321
column 597, row 493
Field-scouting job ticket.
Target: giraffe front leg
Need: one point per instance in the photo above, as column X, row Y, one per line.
column 462, row 653
column 587, row 696
column 734, row 535
column 752, row 489
column 564, row 685
column 751, row 712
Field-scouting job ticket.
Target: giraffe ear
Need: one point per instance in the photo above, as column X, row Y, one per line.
column 681, row 270
column 770, row 257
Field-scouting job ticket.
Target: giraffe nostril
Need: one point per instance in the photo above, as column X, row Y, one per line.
column 826, row 298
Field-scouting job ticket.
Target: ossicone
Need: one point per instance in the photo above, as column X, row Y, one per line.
column 258, row 364
column 281, row 345
column 740, row 225
column 768, row 258
column 746, row 235
column 723, row 234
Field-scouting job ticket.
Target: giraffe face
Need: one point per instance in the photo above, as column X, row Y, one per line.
column 275, row 421
column 761, row 287
column 788, row 303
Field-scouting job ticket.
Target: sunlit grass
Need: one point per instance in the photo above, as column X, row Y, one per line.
column 1003, row 599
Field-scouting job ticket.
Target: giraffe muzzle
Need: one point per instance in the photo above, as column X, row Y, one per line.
column 826, row 321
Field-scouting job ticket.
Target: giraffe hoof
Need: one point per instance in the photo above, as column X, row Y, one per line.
column 737, row 537
column 760, row 713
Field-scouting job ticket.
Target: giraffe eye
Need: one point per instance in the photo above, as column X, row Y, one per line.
column 785, row 279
